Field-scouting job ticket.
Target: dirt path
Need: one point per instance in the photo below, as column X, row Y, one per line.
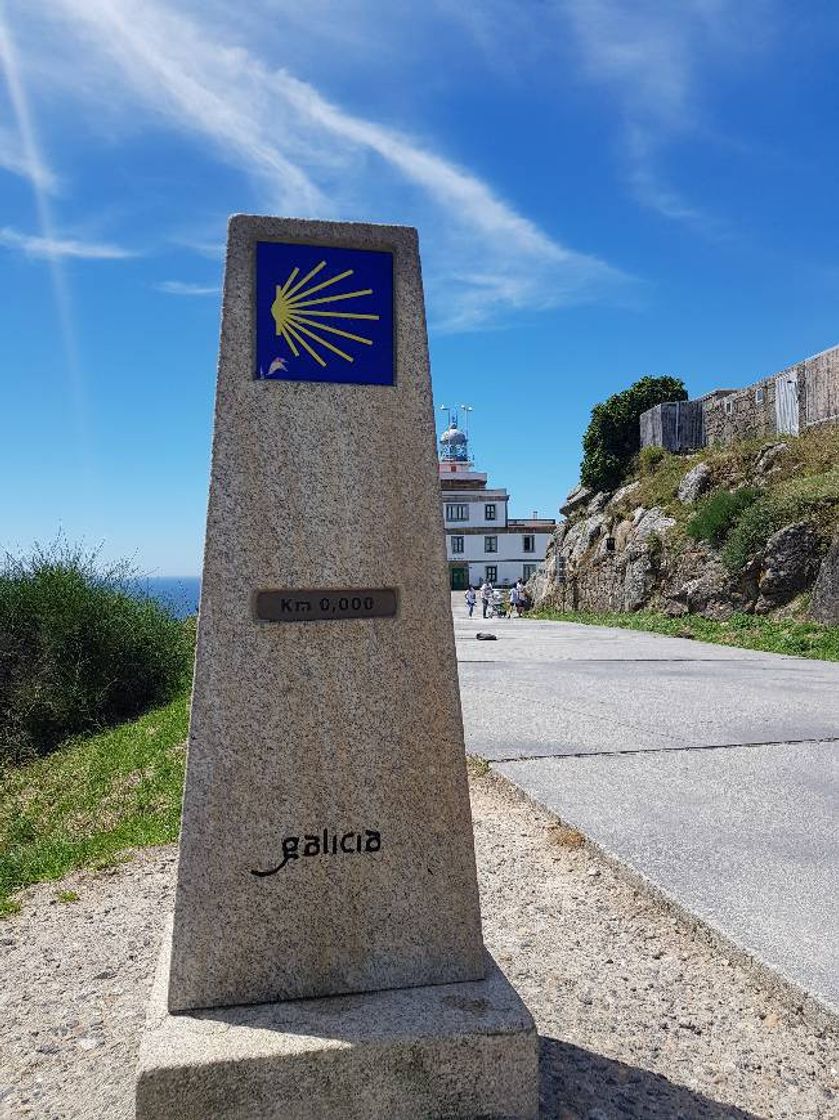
column 639, row 1018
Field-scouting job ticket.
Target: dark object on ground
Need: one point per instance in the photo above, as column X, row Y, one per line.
column 482, row 636
column 79, row 650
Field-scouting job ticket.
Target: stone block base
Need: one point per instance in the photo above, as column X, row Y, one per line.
column 452, row 1051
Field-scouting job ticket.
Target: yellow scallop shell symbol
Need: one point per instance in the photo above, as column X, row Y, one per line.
column 300, row 318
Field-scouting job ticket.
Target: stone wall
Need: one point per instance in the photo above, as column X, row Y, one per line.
column 820, row 399
column 751, row 412
column 740, row 415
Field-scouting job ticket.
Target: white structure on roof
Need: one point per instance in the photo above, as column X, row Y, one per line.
column 482, row 542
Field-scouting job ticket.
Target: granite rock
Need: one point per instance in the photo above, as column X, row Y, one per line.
column 768, row 457
column 329, row 753
column 694, row 484
column 651, row 521
column 622, row 493
column 461, row 1051
column 577, row 498
column 713, row 593
column 598, row 502
column 790, row 562
column 824, row 605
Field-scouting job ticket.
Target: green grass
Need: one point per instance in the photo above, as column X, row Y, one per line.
column 91, row 800
column 790, row 636
column 719, row 513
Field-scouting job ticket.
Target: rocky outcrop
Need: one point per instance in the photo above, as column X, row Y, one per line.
column 769, row 456
column 713, row 594
column 577, row 498
column 824, row 605
column 695, row 483
column 790, row 563
column 606, row 558
column 620, row 495
column 651, row 521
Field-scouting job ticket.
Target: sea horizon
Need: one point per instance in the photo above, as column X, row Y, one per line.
column 179, row 594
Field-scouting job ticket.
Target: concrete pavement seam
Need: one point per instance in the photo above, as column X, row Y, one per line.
column 594, row 753
column 821, row 1016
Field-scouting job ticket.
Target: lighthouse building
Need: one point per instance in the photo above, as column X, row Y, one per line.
column 482, row 542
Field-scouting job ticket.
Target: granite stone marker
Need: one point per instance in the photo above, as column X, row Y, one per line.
column 326, row 844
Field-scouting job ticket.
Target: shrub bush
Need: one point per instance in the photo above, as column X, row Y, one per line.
column 612, row 438
column 751, row 532
column 650, row 459
column 78, row 652
column 717, row 515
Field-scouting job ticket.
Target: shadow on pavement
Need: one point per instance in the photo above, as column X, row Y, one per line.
column 579, row 1085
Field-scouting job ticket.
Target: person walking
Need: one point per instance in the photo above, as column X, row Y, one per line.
column 521, row 598
column 486, row 596
column 471, row 599
column 514, row 600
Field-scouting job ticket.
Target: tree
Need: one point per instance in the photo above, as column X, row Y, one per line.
column 612, row 438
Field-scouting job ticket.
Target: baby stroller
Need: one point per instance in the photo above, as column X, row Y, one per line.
column 497, row 607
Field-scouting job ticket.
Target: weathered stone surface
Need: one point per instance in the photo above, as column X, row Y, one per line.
column 572, row 546
column 694, row 484
column 331, row 729
column 639, row 578
column 598, row 502
column 824, row 605
column 653, row 520
column 577, row 498
column 621, row 534
column 769, row 456
column 790, row 562
column 713, row 594
column 622, row 493
column 451, row 1050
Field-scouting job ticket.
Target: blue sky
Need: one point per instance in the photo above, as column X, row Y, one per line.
column 603, row 189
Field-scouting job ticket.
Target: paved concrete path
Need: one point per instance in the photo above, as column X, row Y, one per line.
column 711, row 771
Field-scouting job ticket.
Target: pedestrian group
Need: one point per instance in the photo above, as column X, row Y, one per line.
column 492, row 600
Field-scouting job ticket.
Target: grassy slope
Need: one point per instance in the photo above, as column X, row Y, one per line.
column 805, row 479
column 808, row 472
column 92, row 799
column 802, row 639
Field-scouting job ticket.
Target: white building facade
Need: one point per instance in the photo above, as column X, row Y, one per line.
column 482, row 541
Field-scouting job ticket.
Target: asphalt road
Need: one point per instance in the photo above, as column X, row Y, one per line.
column 711, row 771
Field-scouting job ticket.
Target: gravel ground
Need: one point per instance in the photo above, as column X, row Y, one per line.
column 638, row 1017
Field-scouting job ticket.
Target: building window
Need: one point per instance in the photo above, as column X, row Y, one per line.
column 527, row 571
column 490, row 544
column 457, row 544
column 491, row 573
column 760, row 395
column 728, row 405
column 457, row 513
column 529, row 542
column 489, row 512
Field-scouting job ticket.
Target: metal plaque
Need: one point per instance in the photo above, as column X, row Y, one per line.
column 324, row 314
column 325, row 605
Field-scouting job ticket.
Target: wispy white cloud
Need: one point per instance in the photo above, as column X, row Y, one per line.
column 35, row 163
column 308, row 155
column 182, row 288
column 654, row 59
column 54, row 248
column 652, row 55
column 14, row 158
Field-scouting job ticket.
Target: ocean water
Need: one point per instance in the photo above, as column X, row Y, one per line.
column 179, row 594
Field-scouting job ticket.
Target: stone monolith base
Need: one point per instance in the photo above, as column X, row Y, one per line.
column 464, row 1050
